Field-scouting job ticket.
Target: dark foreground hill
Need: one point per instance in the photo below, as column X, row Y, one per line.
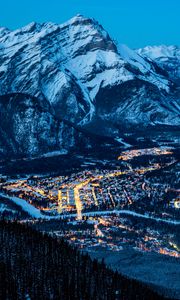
column 36, row 266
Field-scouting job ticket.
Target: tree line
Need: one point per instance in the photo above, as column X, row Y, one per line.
column 35, row 266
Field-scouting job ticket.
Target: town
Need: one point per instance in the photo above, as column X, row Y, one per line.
column 110, row 208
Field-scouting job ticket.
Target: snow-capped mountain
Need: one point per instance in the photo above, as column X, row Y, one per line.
column 167, row 57
column 85, row 77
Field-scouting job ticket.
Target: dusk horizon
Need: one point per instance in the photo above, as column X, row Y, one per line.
column 136, row 24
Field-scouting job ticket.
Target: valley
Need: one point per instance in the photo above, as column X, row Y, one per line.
column 126, row 202
column 89, row 159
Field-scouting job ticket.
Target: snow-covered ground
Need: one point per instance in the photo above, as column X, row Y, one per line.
column 36, row 213
column 30, row 209
column 125, row 212
column 121, row 141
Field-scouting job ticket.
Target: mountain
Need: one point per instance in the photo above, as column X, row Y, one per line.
column 167, row 57
column 85, row 76
column 29, row 127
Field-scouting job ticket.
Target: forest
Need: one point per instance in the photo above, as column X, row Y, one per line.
column 35, row 266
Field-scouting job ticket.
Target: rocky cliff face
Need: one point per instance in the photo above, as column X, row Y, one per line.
column 78, row 72
column 75, row 66
column 28, row 127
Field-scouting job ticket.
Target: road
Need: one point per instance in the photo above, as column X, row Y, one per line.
column 36, row 213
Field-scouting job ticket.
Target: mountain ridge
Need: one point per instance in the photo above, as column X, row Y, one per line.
column 87, row 79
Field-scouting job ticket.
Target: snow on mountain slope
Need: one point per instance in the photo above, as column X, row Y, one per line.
column 68, row 64
column 78, row 68
column 161, row 52
column 144, row 66
column 33, row 63
column 168, row 57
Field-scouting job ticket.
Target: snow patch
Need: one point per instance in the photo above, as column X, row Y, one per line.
column 31, row 210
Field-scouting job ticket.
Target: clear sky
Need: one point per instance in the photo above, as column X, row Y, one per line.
column 136, row 23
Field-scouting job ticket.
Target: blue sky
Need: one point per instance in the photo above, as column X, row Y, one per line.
column 133, row 22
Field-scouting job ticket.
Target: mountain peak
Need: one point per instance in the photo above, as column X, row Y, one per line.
column 77, row 67
column 80, row 19
column 3, row 31
column 31, row 27
column 155, row 52
column 80, row 16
